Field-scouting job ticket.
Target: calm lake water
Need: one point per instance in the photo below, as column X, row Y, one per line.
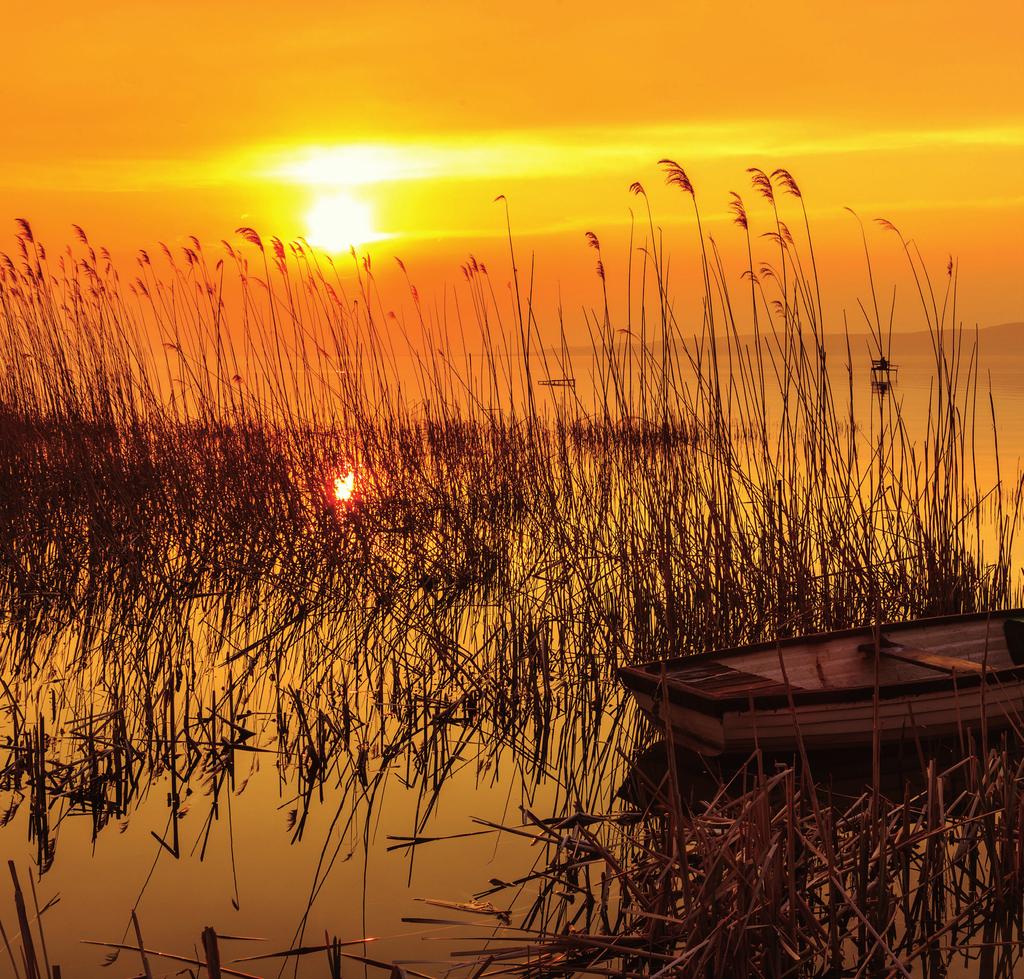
column 241, row 867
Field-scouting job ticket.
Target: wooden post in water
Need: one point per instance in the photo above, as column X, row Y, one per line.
column 212, row 950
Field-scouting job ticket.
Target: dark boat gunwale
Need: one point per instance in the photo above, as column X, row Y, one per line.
column 650, row 678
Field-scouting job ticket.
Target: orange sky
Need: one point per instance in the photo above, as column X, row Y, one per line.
column 151, row 121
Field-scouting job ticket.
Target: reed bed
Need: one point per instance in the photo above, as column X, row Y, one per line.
column 182, row 591
column 777, row 873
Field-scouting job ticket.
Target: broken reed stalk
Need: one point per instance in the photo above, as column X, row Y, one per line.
column 147, row 971
column 28, row 950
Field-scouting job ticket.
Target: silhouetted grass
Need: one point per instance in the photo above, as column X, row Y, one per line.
column 180, row 589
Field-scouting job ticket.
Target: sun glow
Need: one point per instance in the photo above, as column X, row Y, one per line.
column 338, row 221
column 344, row 166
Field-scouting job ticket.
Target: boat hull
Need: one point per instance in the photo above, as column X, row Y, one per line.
column 923, row 717
column 702, row 700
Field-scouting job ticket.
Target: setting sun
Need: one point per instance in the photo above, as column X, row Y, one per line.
column 338, row 221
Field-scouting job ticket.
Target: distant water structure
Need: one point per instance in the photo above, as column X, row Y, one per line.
column 883, row 375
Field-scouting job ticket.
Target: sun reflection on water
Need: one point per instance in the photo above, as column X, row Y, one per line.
column 345, row 487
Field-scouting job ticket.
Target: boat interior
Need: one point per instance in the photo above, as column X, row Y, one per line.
column 894, row 655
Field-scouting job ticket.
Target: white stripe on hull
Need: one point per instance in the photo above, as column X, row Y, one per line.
column 925, row 715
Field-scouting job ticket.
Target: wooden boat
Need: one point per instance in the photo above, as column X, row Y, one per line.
column 920, row 679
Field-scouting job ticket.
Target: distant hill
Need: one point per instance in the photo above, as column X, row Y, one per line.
column 999, row 340
column 1002, row 339
column 1009, row 333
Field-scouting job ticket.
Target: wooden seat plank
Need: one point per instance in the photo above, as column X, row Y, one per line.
column 932, row 661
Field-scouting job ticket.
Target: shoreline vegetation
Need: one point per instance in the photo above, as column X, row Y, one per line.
column 247, row 511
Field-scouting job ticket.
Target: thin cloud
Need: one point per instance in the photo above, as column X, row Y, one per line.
column 583, row 152
column 539, row 154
